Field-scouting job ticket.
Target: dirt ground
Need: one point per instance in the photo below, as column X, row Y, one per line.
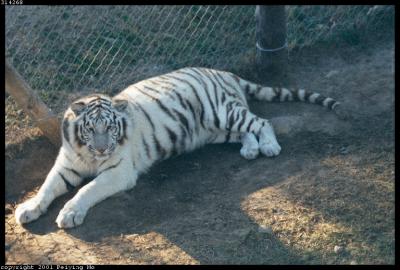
column 328, row 198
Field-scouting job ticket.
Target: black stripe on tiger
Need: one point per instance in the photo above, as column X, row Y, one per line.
column 227, row 137
column 231, row 120
column 159, row 103
column 249, row 125
column 213, row 83
column 158, row 92
column 146, row 115
column 307, row 94
column 77, row 134
column 180, row 100
column 68, row 184
column 98, row 97
column 109, row 168
column 330, row 104
column 191, row 109
column 73, row 171
column 173, row 137
column 183, row 139
column 104, row 161
column 226, row 90
column 205, row 87
column 232, row 115
column 247, row 90
column 244, row 112
column 320, row 100
column 277, row 92
column 230, row 85
column 223, row 97
column 196, row 95
column 146, row 147
column 123, row 135
column 65, row 126
column 183, row 120
column 161, row 151
column 295, row 94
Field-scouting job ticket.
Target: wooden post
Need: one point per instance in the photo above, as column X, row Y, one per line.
column 32, row 105
column 271, row 55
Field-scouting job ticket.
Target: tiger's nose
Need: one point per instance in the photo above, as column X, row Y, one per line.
column 101, row 150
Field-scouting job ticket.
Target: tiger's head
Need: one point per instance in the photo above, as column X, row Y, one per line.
column 96, row 124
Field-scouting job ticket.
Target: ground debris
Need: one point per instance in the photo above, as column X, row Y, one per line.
column 338, row 249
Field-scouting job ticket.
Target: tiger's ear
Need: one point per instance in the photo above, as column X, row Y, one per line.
column 120, row 104
column 78, row 107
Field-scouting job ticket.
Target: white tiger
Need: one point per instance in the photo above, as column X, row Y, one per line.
column 116, row 139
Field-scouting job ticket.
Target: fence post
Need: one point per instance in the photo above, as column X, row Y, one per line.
column 32, row 105
column 271, row 52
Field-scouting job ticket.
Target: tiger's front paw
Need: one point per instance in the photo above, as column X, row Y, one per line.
column 70, row 216
column 28, row 211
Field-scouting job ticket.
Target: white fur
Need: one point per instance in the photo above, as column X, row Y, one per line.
column 302, row 94
column 313, row 97
column 266, row 93
column 284, row 93
column 326, row 101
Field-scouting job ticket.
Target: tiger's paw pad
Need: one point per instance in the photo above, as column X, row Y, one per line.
column 70, row 217
column 249, row 152
column 270, row 149
column 28, row 211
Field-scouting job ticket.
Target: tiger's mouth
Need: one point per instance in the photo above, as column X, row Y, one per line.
column 101, row 157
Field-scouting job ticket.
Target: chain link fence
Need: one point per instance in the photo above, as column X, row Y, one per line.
column 67, row 51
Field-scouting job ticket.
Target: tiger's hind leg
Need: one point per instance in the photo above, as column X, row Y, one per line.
column 250, row 148
column 246, row 122
column 268, row 144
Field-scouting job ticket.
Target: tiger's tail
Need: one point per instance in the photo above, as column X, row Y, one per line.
column 271, row 94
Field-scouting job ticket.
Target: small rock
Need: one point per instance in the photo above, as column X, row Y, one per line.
column 338, row 249
column 7, row 247
column 242, row 233
column 45, row 261
column 344, row 150
column 47, row 251
column 331, row 73
column 353, row 262
column 265, row 229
